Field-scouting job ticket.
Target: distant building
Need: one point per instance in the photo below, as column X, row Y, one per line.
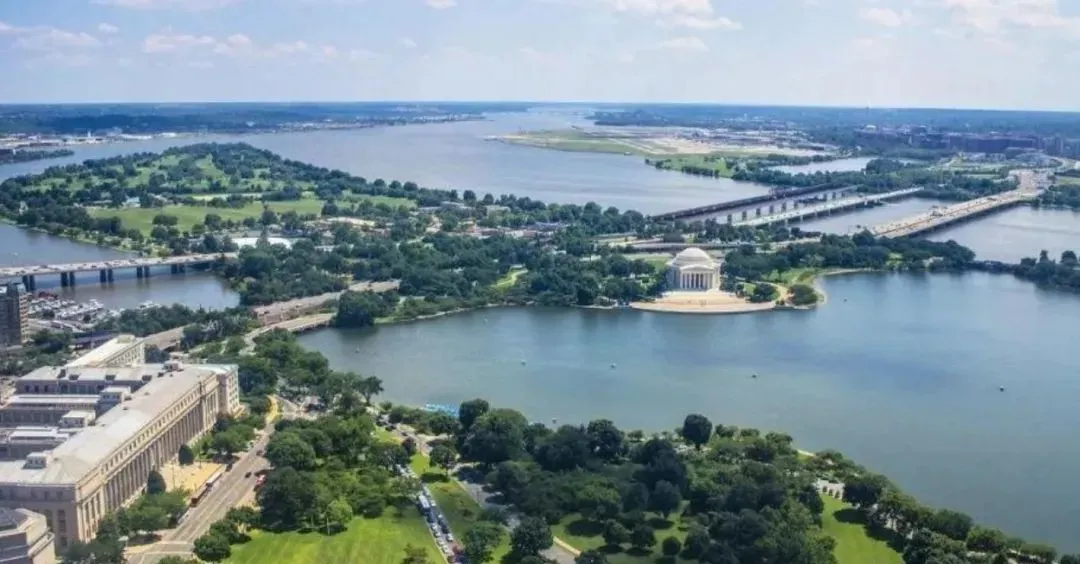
column 693, row 269
column 25, row 538
column 121, row 350
column 14, row 319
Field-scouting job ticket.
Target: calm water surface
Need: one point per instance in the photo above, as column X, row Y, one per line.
column 458, row 156
column 1015, row 233
column 21, row 246
column 900, row 372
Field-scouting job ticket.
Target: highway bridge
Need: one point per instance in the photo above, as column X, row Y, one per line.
column 940, row 217
column 756, row 204
column 142, row 268
column 828, row 207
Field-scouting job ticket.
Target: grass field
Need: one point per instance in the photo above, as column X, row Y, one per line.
column 188, row 216
column 1067, row 180
column 510, row 279
column 572, row 140
column 366, row 541
column 715, row 163
column 853, row 545
column 586, row 535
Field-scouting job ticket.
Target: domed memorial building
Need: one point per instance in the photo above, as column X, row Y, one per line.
column 693, row 269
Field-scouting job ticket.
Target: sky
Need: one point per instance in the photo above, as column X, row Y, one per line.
column 1022, row 54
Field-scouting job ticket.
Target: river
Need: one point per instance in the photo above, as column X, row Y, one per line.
column 899, row 372
column 458, row 156
column 194, row 289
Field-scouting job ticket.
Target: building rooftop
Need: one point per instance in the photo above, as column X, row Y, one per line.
column 90, row 447
column 92, row 373
column 46, row 399
column 107, row 350
column 12, row 518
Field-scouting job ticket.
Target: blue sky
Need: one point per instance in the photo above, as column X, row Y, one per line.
column 944, row 53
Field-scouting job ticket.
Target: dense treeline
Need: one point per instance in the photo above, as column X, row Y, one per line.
column 13, row 156
column 1063, row 274
column 1061, row 195
column 201, row 325
column 862, row 251
column 227, row 118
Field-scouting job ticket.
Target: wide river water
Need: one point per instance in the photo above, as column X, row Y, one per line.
column 899, row 372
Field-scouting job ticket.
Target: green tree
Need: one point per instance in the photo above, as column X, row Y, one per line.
column 415, row 555
column 496, row 436
column 470, row 411
column 226, row 443
column 338, row 514
column 605, row 439
column 442, row 456
column 244, row 516
column 288, row 449
column 643, row 537
column 615, row 533
column 985, row 539
column 370, row 387
column 185, row 456
column 865, row 490
column 598, row 503
column 696, row 429
column 177, row 560
column 531, row 536
column 480, row 540
column 212, row 548
column 155, row 483
column 671, row 546
column 665, row 498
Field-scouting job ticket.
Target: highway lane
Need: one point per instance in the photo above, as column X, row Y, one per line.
column 227, row 493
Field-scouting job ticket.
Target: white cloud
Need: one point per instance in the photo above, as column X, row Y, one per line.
column 48, row 39
column 407, row 42
column 661, row 7
column 192, row 5
column 885, row 17
column 698, row 22
column 684, row 44
column 107, row 28
column 167, row 42
column 441, row 4
column 361, row 55
column 994, row 16
column 236, row 45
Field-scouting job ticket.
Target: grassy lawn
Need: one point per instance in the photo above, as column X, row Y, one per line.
column 853, row 545
column 460, row 510
column 375, row 541
column 1067, row 180
column 510, row 279
column 794, row 276
column 716, row 163
column 586, row 535
column 188, row 216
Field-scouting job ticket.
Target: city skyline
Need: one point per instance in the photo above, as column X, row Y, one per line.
column 1008, row 54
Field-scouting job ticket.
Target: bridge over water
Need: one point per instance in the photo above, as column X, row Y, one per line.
column 828, row 207
column 756, row 204
column 142, row 268
column 940, row 217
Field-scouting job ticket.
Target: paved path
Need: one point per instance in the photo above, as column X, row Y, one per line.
column 229, row 491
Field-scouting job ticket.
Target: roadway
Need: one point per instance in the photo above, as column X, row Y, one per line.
column 827, row 207
column 35, row 270
column 229, row 491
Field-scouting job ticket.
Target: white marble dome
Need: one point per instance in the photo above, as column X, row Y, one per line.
column 693, row 257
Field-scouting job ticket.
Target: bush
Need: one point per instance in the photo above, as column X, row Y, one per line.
column 671, row 546
column 803, row 294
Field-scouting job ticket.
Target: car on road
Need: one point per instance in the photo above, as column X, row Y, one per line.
column 247, row 474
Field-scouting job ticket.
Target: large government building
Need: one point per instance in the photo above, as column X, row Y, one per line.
column 78, row 441
column 693, row 269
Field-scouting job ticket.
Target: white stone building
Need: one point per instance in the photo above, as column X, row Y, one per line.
column 693, row 270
